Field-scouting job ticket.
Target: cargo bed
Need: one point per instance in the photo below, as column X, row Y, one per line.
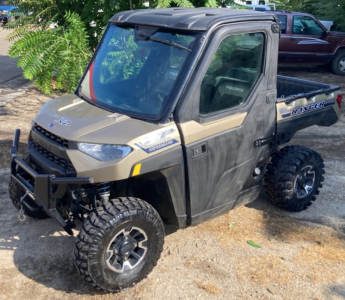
column 290, row 89
column 302, row 103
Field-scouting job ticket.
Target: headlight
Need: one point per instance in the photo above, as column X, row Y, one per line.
column 104, row 152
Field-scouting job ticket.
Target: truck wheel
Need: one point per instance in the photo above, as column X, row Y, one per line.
column 294, row 177
column 338, row 64
column 11, row 19
column 119, row 244
column 17, row 192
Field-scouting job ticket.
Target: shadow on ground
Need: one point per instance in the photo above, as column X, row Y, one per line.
column 338, row 290
column 10, row 76
column 5, row 146
column 41, row 252
column 281, row 224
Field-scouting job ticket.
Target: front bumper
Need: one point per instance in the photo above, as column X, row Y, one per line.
column 46, row 188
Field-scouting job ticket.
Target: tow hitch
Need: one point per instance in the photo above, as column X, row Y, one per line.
column 21, row 215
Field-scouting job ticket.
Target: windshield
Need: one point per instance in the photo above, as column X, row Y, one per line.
column 134, row 70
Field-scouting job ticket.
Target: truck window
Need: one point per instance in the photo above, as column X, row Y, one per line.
column 282, row 20
column 306, row 25
column 232, row 73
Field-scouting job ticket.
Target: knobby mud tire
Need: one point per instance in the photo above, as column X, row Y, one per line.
column 16, row 193
column 102, row 226
column 281, row 177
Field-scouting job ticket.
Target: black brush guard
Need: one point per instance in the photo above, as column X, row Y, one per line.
column 42, row 190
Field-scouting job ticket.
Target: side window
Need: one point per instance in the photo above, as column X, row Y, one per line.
column 235, row 67
column 282, row 20
column 306, row 25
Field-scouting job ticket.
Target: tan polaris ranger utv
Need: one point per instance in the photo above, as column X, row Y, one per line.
column 177, row 119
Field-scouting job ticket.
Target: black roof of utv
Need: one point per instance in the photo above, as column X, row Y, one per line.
column 198, row 19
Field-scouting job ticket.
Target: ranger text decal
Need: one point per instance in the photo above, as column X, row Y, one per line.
column 307, row 108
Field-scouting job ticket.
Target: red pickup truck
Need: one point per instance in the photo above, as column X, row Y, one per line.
column 305, row 39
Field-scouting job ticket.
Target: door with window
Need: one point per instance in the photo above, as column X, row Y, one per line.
column 308, row 40
column 231, row 111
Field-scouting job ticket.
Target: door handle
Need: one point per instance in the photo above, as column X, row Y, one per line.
column 292, row 39
column 199, row 150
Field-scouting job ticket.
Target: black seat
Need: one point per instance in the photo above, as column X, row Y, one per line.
column 227, row 93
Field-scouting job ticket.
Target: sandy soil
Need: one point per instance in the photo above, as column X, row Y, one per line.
column 302, row 254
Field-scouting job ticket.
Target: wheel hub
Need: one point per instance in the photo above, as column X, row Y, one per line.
column 304, row 182
column 126, row 249
column 342, row 65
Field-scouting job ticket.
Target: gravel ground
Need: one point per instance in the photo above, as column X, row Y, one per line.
column 302, row 254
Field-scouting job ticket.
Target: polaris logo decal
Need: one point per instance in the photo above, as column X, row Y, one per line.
column 62, row 120
column 307, row 108
column 231, row 88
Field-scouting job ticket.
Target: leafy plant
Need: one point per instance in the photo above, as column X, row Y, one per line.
column 93, row 14
column 123, row 63
column 231, row 224
column 291, row 5
column 193, row 3
column 326, row 10
column 59, row 53
column 54, row 40
column 333, row 11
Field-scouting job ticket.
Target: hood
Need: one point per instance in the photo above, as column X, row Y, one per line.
column 74, row 119
column 71, row 117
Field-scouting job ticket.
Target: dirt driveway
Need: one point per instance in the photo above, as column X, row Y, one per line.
column 302, row 254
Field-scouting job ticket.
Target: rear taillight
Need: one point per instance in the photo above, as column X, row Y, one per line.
column 339, row 99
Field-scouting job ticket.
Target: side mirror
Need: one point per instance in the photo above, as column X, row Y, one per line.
column 325, row 33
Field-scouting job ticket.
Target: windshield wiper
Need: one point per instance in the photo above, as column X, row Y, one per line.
column 156, row 39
